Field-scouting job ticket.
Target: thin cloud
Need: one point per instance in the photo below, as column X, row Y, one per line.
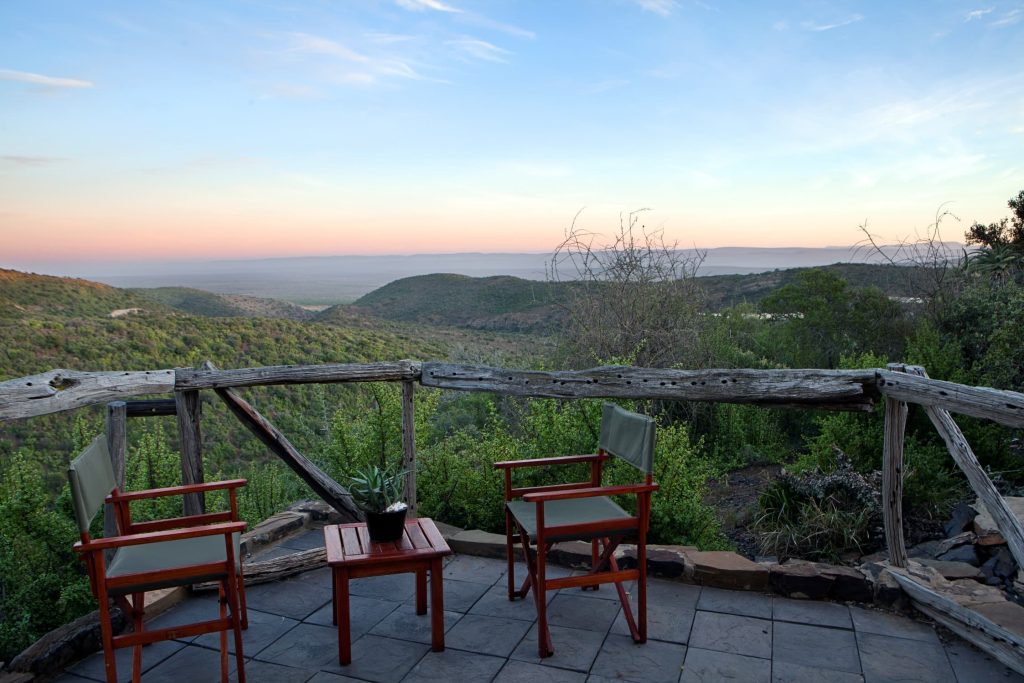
column 480, row 49
column 389, row 38
column 509, row 29
column 1009, row 19
column 660, row 7
column 780, row 25
column 30, row 160
column 39, row 79
column 814, row 26
column 423, row 5
column 317, row 45
column 977, row 13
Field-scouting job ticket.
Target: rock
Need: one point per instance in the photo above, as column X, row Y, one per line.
column 885, row 589
column 1000, row 568
column 1007, row 614
column 572, row 554
column 847, row 584
column 926, row 549
column 953, row 570
column 984, row 523
column 66, row 644
column 800, row 580
column 482, row 543
column 272, row 528
column 964, row 538
column 990, row 538
column 963, row 516
column 723, row 569
column 448, row 530
column 963, row 553
column 319, row 511
column 666, row 561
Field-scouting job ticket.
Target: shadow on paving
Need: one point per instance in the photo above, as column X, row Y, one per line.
column 695, row 635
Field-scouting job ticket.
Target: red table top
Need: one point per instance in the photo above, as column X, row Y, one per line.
column 350, row 544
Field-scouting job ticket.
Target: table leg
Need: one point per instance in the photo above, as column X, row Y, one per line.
column 342, row 617
column 436, row 606
column 421, row 591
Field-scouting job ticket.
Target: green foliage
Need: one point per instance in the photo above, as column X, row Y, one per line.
column 744, row 435
column 270, row 488
column 375, row 488
column 820, row 318
column 819, row 515
column 153, row 464
column 42, row 584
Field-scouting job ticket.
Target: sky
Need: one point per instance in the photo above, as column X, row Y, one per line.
column 135, row 131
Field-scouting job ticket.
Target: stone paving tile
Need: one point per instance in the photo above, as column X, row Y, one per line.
column 579, row 612
column 495, row 603
column 383, row 660
column 652, row 662
column 459, row 596
column 673, row 593
column 886, row 624
column 709, row 666
column 92, row 666
column 886, row 659
column 811, row 612
column 476, row 569
column 191, row 663
column 732, row 633
column 364, row 613
column 264, row 672
column 326, row 677
column 306, row 646
column 970, row 664
column 453, row 665
column 487, row 635
column 71, row 678
column 396, row 587
column 263, row 630
column 605, row 591
column 815, row 646
column 525, row 672
column 667, row 622
column 314, row 538
column 787, row 672
column 296, row 597
column 744, row 603
column 198, row 607
column 574, row 648
column 405, row 624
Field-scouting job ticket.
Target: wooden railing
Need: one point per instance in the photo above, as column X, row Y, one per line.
column 850, row 390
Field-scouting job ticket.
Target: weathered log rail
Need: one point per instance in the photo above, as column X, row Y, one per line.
column 848, row 390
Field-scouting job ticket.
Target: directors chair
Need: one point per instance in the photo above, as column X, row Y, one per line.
column 156, row 554
column 544, row 515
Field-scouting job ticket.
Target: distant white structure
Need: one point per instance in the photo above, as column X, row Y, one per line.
column 121, row 312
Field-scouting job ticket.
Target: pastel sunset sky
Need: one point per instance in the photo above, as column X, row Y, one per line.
column 218, row 129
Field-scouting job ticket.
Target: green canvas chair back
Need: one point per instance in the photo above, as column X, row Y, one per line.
column 92, row 479
column 629, row 436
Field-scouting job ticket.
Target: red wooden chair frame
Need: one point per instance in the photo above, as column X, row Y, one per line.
column 231, row 590
column 604, row 568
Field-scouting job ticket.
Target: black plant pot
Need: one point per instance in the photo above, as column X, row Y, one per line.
column 385, row 527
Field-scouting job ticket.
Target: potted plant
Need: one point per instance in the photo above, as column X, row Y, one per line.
column 378, row 493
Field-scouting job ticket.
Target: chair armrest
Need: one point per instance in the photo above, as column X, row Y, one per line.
column 158, row 536
column 592, row 492
column 177, row 490
column 542, row 462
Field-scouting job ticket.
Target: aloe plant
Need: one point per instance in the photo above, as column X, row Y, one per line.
column 377, row 489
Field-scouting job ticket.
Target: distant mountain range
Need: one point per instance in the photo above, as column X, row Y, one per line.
column 329, row 280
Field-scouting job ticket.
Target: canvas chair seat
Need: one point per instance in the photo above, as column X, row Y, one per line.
column 561, row 512
column 167, row 555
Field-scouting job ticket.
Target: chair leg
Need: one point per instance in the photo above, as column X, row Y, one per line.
column 544, row 647
column 236, row 622
column 241, row 598
column 594, row 558
column 510, row 556
column 107, row 635
column 223, row 613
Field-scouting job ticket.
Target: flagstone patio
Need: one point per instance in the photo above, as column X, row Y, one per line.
column 696, row 635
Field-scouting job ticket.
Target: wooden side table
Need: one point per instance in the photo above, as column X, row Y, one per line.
column 352, row 555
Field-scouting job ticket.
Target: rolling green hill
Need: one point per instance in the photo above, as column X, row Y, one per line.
column 25, row 295
column 200, row 302
column 500, row 302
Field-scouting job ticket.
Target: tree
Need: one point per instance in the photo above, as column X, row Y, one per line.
column 1000, row 256
column 821, row 319
column 634, row 299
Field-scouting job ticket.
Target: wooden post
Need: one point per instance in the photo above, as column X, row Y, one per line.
column 189, row 411
column 409, row 445
column 1007, row 524
column 892, row 478
column 117, row 445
